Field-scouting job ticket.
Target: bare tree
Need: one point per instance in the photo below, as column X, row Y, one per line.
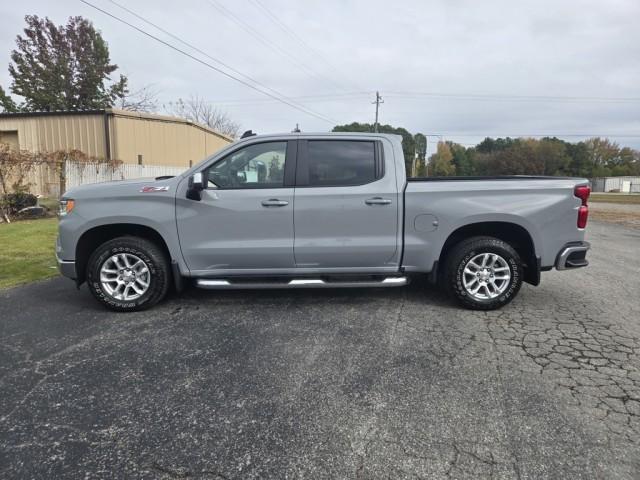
column 142, row 100
column 200, row 111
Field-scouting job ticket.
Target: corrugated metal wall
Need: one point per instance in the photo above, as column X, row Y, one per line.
column 44, row 133
column 167, row 145
column 161, row 142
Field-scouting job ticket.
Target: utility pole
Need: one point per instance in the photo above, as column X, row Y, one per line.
column 377, row 102
column 426, row 156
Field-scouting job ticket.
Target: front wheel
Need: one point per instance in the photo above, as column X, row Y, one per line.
column 128, row 274
column 483, row 273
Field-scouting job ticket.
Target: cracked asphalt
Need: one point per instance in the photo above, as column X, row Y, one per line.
column 394, row 383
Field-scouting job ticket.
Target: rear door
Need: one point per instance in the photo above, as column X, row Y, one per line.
column 346, row 206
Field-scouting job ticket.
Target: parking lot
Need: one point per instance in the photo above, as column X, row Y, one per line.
column 395, row 383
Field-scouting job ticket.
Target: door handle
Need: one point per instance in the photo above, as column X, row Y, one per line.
column 377, row 201
column 274, row 202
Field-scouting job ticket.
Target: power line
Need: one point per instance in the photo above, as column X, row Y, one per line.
column 321, row 96
column 175, row 37
column 220, row 62
column 308, row 98
column 285, row 28
column 356, row 94
column 486, row 96
column 212, row 67
column 268, row 43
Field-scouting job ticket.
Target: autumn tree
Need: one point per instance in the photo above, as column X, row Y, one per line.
column 442, row 161
column 62, row 67
column 552, row 154
column 595, row 157
column 626, row 163
column 420, row 141
column 462, row 159
column 519, row 158
column 579, row 164
column 607, row 158
column 490, row 145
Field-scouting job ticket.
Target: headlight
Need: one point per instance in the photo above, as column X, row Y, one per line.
column 66, row 206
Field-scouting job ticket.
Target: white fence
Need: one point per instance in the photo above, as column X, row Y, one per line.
column 48, row 180
column 79, row 174
column 616, row 184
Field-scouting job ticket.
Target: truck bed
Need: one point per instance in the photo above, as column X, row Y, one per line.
column 495, row 177
column 436, row 207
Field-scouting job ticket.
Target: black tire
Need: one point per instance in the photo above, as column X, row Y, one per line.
column 155, row 260
column 462, row 253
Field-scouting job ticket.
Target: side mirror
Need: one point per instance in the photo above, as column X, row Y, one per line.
column 196, row 186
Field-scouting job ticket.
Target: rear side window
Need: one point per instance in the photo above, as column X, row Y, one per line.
column 341, row 162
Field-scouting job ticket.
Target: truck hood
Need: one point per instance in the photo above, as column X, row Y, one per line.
column 121, row 187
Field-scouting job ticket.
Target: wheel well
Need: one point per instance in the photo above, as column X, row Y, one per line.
column 515, row 235
column 93, row 238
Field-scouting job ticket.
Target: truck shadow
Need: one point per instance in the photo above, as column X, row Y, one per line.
column 418, row 291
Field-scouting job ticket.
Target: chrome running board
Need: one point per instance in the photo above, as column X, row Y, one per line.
column 226, row 284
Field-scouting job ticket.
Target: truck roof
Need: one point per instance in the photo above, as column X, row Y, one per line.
column 390, row 136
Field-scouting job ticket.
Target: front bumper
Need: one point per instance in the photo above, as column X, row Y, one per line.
column 67, row 268
column 573, row 255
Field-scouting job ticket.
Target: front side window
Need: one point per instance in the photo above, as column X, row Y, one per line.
column 259, row 165
column 341, row 162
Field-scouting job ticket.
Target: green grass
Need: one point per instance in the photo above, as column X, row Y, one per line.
column 615, row 198
column 27, row 251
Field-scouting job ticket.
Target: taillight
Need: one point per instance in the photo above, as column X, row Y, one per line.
column 583, row 192
column 583, row 214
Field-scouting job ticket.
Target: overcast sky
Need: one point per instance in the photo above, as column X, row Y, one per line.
column 449, row 67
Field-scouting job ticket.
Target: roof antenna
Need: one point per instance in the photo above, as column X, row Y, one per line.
column 296, row 130
column 248, row 133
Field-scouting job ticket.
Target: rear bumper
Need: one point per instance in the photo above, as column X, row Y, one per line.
column 573, row 255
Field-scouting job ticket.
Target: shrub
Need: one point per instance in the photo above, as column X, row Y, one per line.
column 14, row 202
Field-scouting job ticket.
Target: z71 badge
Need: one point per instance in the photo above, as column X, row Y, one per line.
column 151, row 189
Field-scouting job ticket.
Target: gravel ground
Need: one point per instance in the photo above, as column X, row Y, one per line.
column 620, row 213
column 394, row 383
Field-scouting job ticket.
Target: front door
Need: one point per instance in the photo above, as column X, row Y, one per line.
column 244, row 221
column 346, row 206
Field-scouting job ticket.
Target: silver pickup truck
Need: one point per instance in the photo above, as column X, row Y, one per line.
column 319, row 210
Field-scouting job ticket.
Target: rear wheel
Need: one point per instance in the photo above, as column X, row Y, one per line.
column 128, row 274
column 483, row 273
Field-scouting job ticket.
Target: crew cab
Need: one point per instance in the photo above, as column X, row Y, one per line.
column 316, row 211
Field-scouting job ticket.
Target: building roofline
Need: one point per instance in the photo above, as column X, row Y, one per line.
column 118, row 113
column 164, row 118
column 53, row 113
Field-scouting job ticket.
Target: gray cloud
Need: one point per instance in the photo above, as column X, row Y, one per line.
column 571, row 48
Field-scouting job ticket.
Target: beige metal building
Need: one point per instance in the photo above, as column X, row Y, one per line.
column 132, row 137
